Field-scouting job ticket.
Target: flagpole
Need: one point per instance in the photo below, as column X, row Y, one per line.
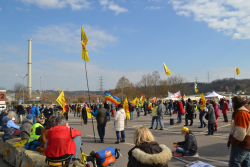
column 234, row 84
column 89, row 99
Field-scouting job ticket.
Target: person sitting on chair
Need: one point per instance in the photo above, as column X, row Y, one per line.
column 189, row 146
column 63, row 144
column 35, row 133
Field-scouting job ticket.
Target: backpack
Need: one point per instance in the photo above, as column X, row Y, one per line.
column 191, row 108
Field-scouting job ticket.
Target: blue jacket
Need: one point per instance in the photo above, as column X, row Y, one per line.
column 170, row 105
column 34, row 111
column 9, row 126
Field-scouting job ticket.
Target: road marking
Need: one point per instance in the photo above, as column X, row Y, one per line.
column 89, row 135
column 217, row 128
column 130, row 144
column 223, row 162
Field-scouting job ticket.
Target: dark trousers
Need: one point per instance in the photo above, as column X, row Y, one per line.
column 101, row 131
column 145, row 112
column 187, row 118
column 66, row 116
column 170, row 111
column 225, row 117
column 210, row 128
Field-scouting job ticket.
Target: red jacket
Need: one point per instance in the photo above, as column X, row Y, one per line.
column 225, row 108
column 66, row 108
column 180, row 108
column 60, row 141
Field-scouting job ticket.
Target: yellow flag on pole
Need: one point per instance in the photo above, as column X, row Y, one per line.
column 59, row 91
column 142, row 101
column 167, row 71
column 237, row 70
column 84, row 39
column 61, row 101
column 203, row 102
column 195, row 87
column 125, row 106
column 215, row 98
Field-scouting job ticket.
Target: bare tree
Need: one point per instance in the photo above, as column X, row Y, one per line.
column 144, row 85
column 155, row 82
column 81, row 98
column 178, row 83
column 18, row 89
column 164, row 87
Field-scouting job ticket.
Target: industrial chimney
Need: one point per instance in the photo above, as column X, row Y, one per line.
column 29, row 67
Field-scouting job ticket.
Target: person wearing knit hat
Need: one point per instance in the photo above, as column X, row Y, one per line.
column 188, row 147
column 35, row 133
column 25, row 129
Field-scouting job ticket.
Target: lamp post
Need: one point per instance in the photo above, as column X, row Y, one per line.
column 23, row 83
column 40, row 87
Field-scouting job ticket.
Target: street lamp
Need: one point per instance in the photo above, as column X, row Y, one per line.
column 23, row 83
column 40, row 86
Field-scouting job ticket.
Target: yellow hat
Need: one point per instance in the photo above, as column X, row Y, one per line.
column 185, row 129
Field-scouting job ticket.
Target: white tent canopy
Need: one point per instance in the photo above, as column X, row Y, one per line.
column 214, row 94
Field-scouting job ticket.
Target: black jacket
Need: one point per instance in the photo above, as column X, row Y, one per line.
column 20, row 110
column 131, row 107
column 190, row 143
column 149, row 155
column 189, row 107
column 145, row 106
column 48, row 112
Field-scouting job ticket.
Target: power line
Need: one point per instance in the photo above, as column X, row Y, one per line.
column 196, row 79
column 101, row 85
column 208, row 76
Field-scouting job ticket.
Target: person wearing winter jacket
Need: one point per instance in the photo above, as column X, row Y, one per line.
column 216, row 112
column 189, row 146
column 48, row 111
column 225, row 108
column 160, row 112
column 190, row 112
column 211, row 118
column 51, row 122
column 154, row 116
column 34, row 112
column 240, row 133
column 84, row 114
column 131, row 110
column 170, row 106
column 20, row 112
column 119, row 118
column 63, row 146
column 147, row 152
column 180, row 111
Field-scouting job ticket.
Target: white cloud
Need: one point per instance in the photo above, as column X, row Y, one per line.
column 21, row 9
column 68, row 37
column 75, row 4
column 229, row 16
column 112, row 6
column 152, row 8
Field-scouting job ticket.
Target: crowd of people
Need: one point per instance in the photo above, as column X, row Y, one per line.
column 40, row 129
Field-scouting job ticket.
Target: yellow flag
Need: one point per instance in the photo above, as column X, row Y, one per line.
column 141, row 100
column 203, row 102
column 59, row 91
column 167, row 71
column 85, row 55
column 237, row 70
column 195, row 87
column 215, row 98
column 89, row 115
column 125, row 106
column 84, row 37
column 61, row 101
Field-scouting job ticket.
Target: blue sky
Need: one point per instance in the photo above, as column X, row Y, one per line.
column 126, row 37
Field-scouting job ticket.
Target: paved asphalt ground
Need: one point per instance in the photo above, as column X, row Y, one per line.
column 212, row 149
